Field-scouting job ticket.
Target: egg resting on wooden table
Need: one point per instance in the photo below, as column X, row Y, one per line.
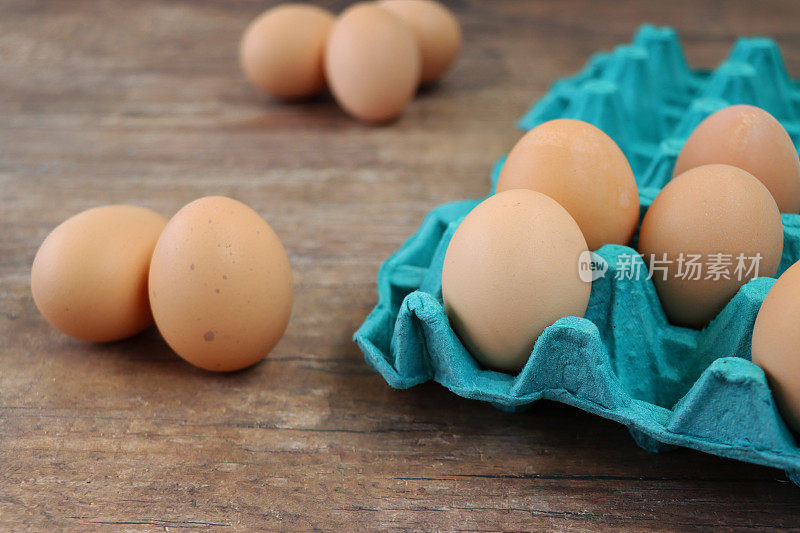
column 511, row 270
column 372, row 63
column 581, row 168
column 706, row 211
column 89, row 276
column 282, row 50
column 749, row 138
column 776, row 343
column 437, row 31
column 220, row 285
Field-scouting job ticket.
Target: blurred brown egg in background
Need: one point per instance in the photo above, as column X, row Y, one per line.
column 372, row 57
column 281, row 51
column 372, row 63
column 437, row 31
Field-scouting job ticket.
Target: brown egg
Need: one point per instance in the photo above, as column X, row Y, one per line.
column 220, row 285
column 437, row 31
column 372, row 63
column 89, row 277
column 282, row 50
column 581, row 168
column 709, row 210
column 511, row 270
column 749, row 138
column 776, row 338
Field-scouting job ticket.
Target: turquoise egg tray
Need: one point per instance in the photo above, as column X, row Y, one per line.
column 672, row 386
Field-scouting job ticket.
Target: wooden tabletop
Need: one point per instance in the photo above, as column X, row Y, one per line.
column 143, row 102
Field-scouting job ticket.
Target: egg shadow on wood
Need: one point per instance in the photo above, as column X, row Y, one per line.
column 151, row 353
column 321, row 110
column 323, row 97
column 561, row 442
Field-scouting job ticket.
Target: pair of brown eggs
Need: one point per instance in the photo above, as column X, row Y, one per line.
column 373, row 57
column 215, row 278
column 511, row 268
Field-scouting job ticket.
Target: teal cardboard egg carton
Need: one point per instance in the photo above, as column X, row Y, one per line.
column 672, row 386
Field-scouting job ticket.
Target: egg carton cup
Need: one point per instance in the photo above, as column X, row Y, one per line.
column 672, row 386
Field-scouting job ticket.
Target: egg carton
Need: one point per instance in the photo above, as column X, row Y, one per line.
column 672, row 386
column 646, row 98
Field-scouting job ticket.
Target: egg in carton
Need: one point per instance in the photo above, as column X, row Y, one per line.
column 672, row 386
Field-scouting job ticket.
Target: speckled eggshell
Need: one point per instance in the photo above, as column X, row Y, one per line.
column 89, row 277
column 437, row 31
column 713, row 209
column 220, row 285
column 372, row 63
column 749, row 138
column 583, row 169
column 282, row 50
column 776, row 343
column 511, row 270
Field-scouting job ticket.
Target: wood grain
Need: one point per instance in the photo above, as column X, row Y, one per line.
column 142, row 102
